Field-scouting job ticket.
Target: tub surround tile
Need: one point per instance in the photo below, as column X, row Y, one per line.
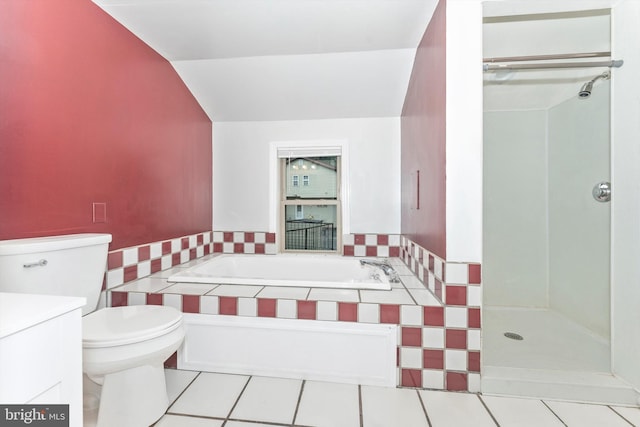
column 147, row 284
column 327, row 294
column 453, row 328
column 209, row 304
column 247, row 307
column 188, row 289
column 369, row 313
column 247, row 291
column 283, row 292
column 327, row 310
column 228, row 305
column 347, row 312
column 394, row 296
column 287, row 309
column 424, row 297
column 390, row 313
column 267, row 307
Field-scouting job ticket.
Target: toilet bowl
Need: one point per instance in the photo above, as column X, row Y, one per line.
column 124, row 349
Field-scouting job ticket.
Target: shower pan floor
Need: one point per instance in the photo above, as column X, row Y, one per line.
column 556, row 359
column 551, row 341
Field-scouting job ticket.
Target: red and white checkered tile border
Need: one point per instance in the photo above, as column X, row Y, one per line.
column 438, row 345
column 379, row 245
column 244, row 242
column 136, row 262
column 450, row 334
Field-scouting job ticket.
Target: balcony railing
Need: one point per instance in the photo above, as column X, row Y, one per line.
column 305, row 234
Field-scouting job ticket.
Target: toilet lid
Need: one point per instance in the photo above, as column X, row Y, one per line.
column 124, row 325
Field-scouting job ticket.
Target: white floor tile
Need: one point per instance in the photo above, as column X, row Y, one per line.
column 329, row 405
column 210, row 395
column 510, row 411
column 630, row 414
column 182, row 421
column 385, row 407
column 177, row 381
column 446, row 409
column 268, row 400
column 247, row 424
column 583, row 415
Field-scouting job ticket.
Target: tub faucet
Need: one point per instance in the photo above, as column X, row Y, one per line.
column 385, row 267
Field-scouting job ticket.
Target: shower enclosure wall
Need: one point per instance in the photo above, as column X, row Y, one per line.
column 546, row 244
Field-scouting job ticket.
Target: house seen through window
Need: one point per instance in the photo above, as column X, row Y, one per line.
column 311, row 211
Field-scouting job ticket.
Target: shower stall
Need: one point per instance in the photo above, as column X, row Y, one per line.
column 547, row 210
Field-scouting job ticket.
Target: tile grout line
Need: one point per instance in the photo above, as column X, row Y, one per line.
column 488, row 410
column 424, row 408
column 182, row 392
column 553, row 412
column 237, row 400
column 620, row 415
column 361, row 411
column 295, row 413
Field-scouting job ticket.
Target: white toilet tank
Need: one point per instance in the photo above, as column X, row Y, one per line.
column 71, row 265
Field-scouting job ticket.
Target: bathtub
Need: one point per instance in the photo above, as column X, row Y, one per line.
column 302, row 270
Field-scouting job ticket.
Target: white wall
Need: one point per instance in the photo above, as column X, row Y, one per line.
column 241, row 161
column 515, row 203
column 626, row 193
column 464, row 131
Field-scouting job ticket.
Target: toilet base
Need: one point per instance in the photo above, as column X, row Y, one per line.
column 135, row 397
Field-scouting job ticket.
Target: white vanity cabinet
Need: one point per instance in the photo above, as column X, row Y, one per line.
column 41, row 351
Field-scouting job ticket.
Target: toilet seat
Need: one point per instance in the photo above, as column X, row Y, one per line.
column 115, row 326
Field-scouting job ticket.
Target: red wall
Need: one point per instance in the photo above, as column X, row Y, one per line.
column 423, row 127
column 89, row 113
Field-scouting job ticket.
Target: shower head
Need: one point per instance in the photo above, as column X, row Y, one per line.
column 586, row 89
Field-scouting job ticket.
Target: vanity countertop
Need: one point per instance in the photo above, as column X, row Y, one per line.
column 21, row 311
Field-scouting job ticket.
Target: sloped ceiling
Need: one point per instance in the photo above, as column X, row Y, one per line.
column 250, row 60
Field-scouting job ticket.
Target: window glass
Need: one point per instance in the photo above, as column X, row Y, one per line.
column 311, row 210
column 316, row 230
column 319, row 178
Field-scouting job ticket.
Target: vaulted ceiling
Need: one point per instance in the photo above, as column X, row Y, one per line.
column 285, row 59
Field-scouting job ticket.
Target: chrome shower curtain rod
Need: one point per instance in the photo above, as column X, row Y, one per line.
column 493, row 64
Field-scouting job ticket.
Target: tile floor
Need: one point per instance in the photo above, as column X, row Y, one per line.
column 202, row 399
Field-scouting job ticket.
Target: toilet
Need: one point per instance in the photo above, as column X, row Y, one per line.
column 123, row 348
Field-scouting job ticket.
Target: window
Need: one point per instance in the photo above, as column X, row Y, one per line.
column 310, row 214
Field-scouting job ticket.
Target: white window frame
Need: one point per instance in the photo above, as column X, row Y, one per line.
column 295, row 180
column 308, row 147
column 305, row 180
